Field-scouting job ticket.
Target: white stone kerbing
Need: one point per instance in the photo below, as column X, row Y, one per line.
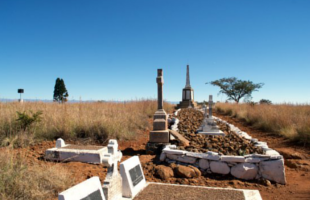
column 132, row 176
column 219, row 167
column 273, row 170
column 240, row 159
column 89, row 188
column 246, row 171
column 182, row 158
column 171, row 151
column 204, row 164
column 60, row 143
column 162, row 157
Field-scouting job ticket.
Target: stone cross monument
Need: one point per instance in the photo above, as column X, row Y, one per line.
column 160, row 134
column 112, row 185
column 160, row 83
column 210, row 106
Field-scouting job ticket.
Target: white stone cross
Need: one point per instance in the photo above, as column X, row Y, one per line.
column 210, row 106
column 113, row 156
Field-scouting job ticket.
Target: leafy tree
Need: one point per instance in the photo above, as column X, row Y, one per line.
column 265, row 101
column 60, row 91
column 236, row 89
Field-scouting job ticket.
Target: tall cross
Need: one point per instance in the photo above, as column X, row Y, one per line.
column 188, row 84
column 160, row 83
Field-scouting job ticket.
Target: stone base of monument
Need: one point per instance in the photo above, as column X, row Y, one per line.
column 112, row 187
column 209, row 127
column 182, row 192
column 159, row 136
column 155, row 148
column 75, row 153
column 186, row 104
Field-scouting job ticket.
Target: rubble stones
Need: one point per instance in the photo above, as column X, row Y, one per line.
column 164, row 172
column 186, row 171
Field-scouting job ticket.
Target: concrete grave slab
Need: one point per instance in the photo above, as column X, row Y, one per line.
column 75, row 153
column 87, row 190
column 133, row 177
column 160, row 189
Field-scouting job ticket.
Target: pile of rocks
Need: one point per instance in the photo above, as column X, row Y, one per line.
column 229, row 144
column 190, row 120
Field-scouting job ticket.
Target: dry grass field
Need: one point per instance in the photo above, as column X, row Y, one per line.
column 291, row 121
column 20, row 180
column 98, row 121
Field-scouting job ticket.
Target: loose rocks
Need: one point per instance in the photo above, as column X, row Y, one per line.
column 164, row 172
column 186, row 172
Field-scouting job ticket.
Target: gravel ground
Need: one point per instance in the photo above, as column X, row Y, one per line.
column 167, row 192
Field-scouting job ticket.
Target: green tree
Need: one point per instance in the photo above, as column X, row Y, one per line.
column 236, row 89
column 265, row 101
column 60, row 91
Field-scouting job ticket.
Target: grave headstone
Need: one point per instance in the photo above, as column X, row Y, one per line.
column 87, row 190
column 160, row 134
column 112, row 185
column 133, row 177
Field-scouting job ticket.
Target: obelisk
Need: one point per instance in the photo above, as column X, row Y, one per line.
column 187, row 94
column 160, row 134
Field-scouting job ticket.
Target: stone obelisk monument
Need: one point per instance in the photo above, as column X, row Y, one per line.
column 187, row 94
column 160, row 134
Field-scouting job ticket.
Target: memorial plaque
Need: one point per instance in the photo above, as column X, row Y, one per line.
column 136, row 175
column 90, row 189
column 132, row 177
column 93, row 196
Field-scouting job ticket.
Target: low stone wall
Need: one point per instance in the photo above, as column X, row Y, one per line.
column 269, row 165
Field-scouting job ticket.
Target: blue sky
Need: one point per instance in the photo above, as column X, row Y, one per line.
column 110, row 50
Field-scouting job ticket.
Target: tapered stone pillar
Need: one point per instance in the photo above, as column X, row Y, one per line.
column 187, row 94
column 160, row 134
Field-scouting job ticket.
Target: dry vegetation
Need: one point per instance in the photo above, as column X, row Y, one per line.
column 99, row 121
column 19, row 180
column 291, row 121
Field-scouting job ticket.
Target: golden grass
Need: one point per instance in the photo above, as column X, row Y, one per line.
column 291, row 121
column 99, row 120
column 19, row 180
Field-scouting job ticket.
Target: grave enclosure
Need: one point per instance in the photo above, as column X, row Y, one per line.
column 130, row 180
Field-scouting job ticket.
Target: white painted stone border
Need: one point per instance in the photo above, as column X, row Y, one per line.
column 269, row 165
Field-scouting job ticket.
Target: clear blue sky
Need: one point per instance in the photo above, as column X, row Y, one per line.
column 110, row 50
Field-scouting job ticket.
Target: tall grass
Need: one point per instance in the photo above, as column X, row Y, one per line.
column 99, row 121
column 19, row 180
column 291, row 121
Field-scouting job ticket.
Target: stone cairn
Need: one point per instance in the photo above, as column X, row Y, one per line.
column 160, row 134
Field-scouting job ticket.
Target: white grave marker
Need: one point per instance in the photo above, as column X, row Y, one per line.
column 133, row 177
column 87, row 190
